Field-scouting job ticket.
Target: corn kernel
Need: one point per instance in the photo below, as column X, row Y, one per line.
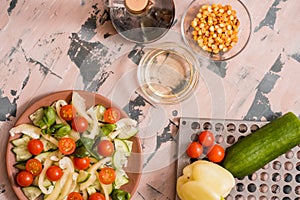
column 215, row 28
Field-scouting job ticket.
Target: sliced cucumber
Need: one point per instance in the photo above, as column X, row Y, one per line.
column 121, row 179
column 129, row 144
column 20, row 165
column 99, row 111
column 83, row 176
column 31, row 192
column 42, row 156
column 119, row 159
column 48, row 145
column 22, row 141
column 22, row 153
column 127, row 128
column 121, row 146
column 46, row 182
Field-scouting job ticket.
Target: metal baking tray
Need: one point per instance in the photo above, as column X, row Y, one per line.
column 278, row 180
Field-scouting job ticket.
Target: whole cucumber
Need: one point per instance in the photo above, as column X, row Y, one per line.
column 255, row 150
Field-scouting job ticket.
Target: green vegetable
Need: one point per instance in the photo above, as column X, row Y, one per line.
column 259, row 148
column 81, row 152
column 118, row 194
column 108, row 128
column 86, row 147
column 32, row 192
column 63, row 130
column 44, row 117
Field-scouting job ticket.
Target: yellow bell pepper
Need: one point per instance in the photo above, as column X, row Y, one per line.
column 204, row 180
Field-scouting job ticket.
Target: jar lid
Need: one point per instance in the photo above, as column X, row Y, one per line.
column 136, row 6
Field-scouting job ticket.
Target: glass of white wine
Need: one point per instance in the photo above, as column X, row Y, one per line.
column 168, row 73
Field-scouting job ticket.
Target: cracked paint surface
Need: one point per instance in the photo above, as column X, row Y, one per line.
column 47, row 46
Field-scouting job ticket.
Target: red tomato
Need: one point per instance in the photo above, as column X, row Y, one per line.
column 106, row 148
column 79, row 124
column 97, row 196
column 206, row 138
column 24, row 178
column 111, row 115
column 194, row 150
column 54, row 173
column 74, row 196
column 67, row 112
column 66, row 146
column 107, row 175
column 81, row 163
column 34, row 166
column 35, row 146
column 216, row 153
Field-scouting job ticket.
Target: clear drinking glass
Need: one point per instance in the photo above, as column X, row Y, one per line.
column 168, row 73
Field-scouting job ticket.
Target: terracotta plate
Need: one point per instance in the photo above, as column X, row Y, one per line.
column 133, row 168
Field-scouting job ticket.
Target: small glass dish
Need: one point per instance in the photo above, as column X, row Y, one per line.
column 168, row 73
column 244, row 29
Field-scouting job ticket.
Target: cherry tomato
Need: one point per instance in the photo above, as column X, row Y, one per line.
column 107, row 175
column 74, row 196
column 206, row 138
column 194, row 150
column 35, row 146
column 67, row 112
column 66, row 146
column 54, row 173
column 111, row 115
column 216, row 153
column 34, row 166
column 79, row 124
column 106, row 148
column 24, row 178
column 81, row 163
column 97, row 196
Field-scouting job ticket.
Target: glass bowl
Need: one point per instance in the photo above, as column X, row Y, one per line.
column 168, row 73
column 243, row 34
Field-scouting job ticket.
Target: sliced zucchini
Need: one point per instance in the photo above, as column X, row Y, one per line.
column 83, row 176
column 20, row 165
column 119, row 159
column 31, row 192
column 48, row 145
column 129, row 144
column 22, row 141
column 42, row 156
column 46, row 182
column 127, row 128
column 121, row 179
column 99, row 111
column 22, row 153
column 121, row 146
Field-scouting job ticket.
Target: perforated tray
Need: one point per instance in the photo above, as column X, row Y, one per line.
column 278, row 180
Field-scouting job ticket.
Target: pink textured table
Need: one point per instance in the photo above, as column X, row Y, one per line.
column 48, row 46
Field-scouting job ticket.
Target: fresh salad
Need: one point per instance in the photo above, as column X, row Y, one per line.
column 70, row 152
